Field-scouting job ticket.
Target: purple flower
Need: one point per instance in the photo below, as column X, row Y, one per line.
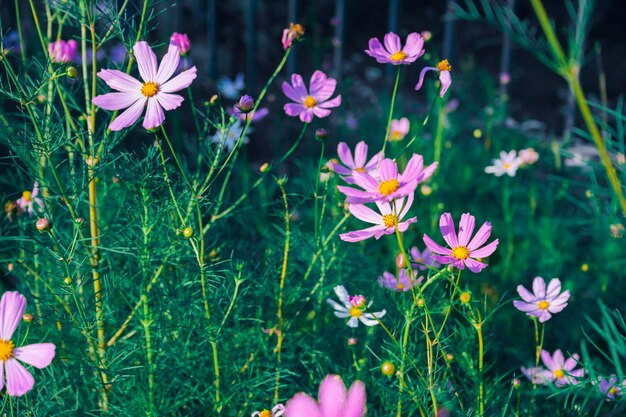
column 562, row 371
column 388, row 184
column 29, row 201
column 62, row 51
column 538, row 376
column 401, row 283
column 399, row 129
column 422, row 260
column 257, row 115
column 181, row 40
column 357, row 163
column 155, row 90
column 384, row 222
column 542, row 302
column 444, row 69
column 462, row 252
column 393, row 52
column 118, row 53
column 610, row 387
column 315, row 101
column 18, row 380
column 12, row 42
column 333, row 400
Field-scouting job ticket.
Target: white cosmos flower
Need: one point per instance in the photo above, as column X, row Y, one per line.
column 231, row 136
column 508, row 164
column 356, row 314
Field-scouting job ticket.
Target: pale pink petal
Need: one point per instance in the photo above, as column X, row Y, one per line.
column 360, row 154
column 355, row 403
column 366, row 214
column 12, row 307
column 558, row 358
column 146, row 61
column 319, row 112
column 342, row 295
column 117, row 101
column 38, row 355
column 332, row 394
column 392, row 43
column 343, row 150
column 307, row 115
column 366, row 181
column 19, row 380
column 407, row 206
column 128, row 117
column 154, row 115
column 120, row 81
column 168, row 65
column 169, row 101
column 485, row 250
column 474, row 265
column 539, row 287
column 547, row 360
column 300, row 91
column 446, row 224
column 446, row 82
column 414, row 45
column 293, row 109
column 466, row 228
column 357, row 236
column 296, row 95
column 181, row 81
column 434, row 247
column 525, row 294
column 388, row 170
column 322, row 88
column 554, row 288
column 329, row 104
column 301, row 405
column 480, row 237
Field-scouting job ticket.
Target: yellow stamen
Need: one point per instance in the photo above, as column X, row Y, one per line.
column 444, row 66
column 543, row 304
column 356, row 312
column 359, row 169
column 6, row 350
column 461, row 253
column 613, row 390
column 400, row 286
column 398, row 56
column 390, row 220
column 506, row 165
column 309, row 102
column 298, row 31
column 558, row 374
column 27, row 195
column 150, row 89
column 388, row 187
column 265, row 413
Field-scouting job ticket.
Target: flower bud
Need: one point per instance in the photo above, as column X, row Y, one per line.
column 28, row 318
column 352, row 341
column 246, row 104
column 465, row 297
column 321, row 133
column 401, row 261
column 264, row 167
column 43, row 224
column 72, row 72
column 388, row 368
column 67, row 281
column 188, row 232
column 181, row 41
column 356, row 300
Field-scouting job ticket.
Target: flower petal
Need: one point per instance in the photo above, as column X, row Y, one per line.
column 446, row 224
column 356, row 400
column 120, row 81
column 343, row 150
column 434, row 247
column 154, row 115
column 481, row 236
column 181, row 81
column 332, row 394
column 146, row 61
column 485, row 250
column 466, row 228
column 169, row 101
column 117, row 101
column 128, row 117
column 366, row 214
column 38, row 355
column 301, row 405
column 168, row 65
column 360, row 154
column 392, row 43
column 19, row 380
column 12, row 307
column 539, row 287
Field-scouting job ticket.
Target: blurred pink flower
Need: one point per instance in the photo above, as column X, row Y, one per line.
column 561, row 371
column 528, row 156
column 399, row 129
column 62, row 51
column 26, row 203
column 444, row 69
column 155, row 90
column 355, row 163
column 315, row 101
column 181, row 40
column 393, row 52
column 422, row 260
column 333, row 400
column 542, row 302
column 400, row 283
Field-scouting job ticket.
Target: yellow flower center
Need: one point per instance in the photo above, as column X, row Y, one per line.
column 543, row 304
column 558, row 374
column 149, row 89
column 27, row 195
column 613, row 390
column 444, row 66
column 400, row 286
column 6, row 349
column 388, row 187
column 265, row 413
column 356, row 312
column 465, row 297
column 506, row 165
column 298, row 31
column 309, row 102
column 359, row 169
column 396, row 134
column 398, row 56
column 460, row 252
column 389, row 220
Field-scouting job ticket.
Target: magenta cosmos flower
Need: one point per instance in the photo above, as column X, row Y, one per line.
column 333, row 400
column 443, row 68
column 388, row 184
column 18, row 380
column 30, row 200
column 393, row 52
column 542, row 302
column 315, row 101
column 462, row 251
column 399, row 129
column 356, row 163
column 400, row 283
column 155, row 90
column 181, row 40
column 62, row 51
column 561, row 371
column 384, row 222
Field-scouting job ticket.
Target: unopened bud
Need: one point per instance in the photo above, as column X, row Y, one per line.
column 264, row 167
column 28, row 318
column 72, row 72
column 401, row 261
column 321, row 133
column 388, row 368
column 43, row 224
column 352, row 341
column 67, row 281
column 246, row 104
column 188, row 232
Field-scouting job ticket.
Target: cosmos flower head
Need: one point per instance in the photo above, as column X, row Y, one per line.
column 30, row 201
column 422, row 260
column 388, row 184
column 528, row 156
column 542, row 302
column 333, row 400
column 508, row 163
column 314, row 101
column 443, row 68
column 155, row 91
column 401, row 283
column 462, row 251
column 355, row 163
column 393, row 52
column 611, row 388
column 384, row 222
column 399, row 129
column 277, row 411
column 559, row 370
column 356, row 313
column 62, row 52
column 181, row 40
column 228, row 139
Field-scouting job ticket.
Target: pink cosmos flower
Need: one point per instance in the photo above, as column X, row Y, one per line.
column 444, row 69
column 528, row 156
column 18, row 380
column 181, row 40
column 315, row 101
column 62, row 51
column 293, row 32
column 400, row 283
column 389, row 184
column 384, row 222
column 277, row 411
column 357, row 163
column 462, row 252
column 333, row 400
column 561, row 371
column 508, row 164
column 422, row 260
column 393, row 52
column 399, row 129
column 29, row 201
column 155, row 90
column 542, row 302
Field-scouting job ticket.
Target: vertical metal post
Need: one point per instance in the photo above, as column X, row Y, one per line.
column 292, row 17
column 251, row 45
column 340, row 12
column 448, row 35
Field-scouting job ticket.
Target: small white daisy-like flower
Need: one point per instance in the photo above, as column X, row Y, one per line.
column 349, row 309
column 508, row 164
column 277, row 411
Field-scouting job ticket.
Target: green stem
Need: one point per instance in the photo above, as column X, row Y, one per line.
column 481, row 353
column 19, row 33
column 393, row 101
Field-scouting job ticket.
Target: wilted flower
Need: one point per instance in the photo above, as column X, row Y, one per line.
column 293, row 32
column 29, row 201
column 356, row 314
column 507, row 164
column 277, row 411
column 389, row 184
column 384, row 222
column 231, row 88
column 315, row 101
column 11, row 208
column 462, row 252
column 155, row 90
column 357, row 163
column 181, row 40
column 18, row 380
column 401, row 283
column 333, row 401
column 399, row 129
column 561, row 371
column 228, row 138
column 611, row 388
column 422, row 260
column 444, row 69
column 62, row 51
column 542, row 302
column 393, row 52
